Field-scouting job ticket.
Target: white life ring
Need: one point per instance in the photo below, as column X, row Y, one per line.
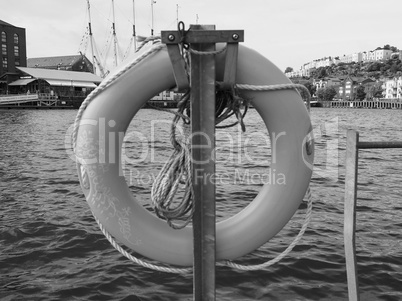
column 123, row 217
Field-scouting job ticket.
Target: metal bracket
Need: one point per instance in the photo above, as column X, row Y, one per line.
column 229, row 76
column 232, row 37
column 179, row 69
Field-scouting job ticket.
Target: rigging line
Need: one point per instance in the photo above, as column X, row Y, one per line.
column 101, row 14
column 85, row 25
column 84, row 41
column 125, row 17
column 107, row 43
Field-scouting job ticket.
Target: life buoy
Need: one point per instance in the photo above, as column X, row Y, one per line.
column 98, row 150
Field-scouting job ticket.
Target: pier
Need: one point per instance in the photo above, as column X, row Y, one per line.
column 39, row 101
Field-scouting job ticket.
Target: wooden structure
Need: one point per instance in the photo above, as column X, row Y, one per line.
column 352, row 153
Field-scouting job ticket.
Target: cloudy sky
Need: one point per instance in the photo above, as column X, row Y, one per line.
column 288, row 32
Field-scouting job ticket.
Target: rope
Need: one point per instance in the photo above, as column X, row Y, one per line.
column 207, row 52
column 178, row 212
column 183, row 151
column 176, row 171
column 277, row 87
column 139, row 261
column 299, row 236
column 227, row 263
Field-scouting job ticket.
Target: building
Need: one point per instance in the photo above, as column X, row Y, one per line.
column 393, row 87
column 53, row 83
column 357, row 57
column 69, row 63
column 347, row 89
column 368, row 56
column 348, row 58
column 13, row 52
column 327, row 82
column 382, row 54
column 298, row 73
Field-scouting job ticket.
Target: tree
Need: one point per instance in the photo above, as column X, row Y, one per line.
column 375, row 66
column 360, row 94
column 322, row 72
column 326, row 94
column 288, row 69
column 330, row 93
column 394, row 68
column 311, row 88
column 376, row 91
column 320, row 94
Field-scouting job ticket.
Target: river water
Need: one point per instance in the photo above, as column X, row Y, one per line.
column 52, row 249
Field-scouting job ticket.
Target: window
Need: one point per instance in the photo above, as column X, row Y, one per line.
column 5, row 63
column 16, row 51
column 15, row 39
column 4, row 49
column 3, row 37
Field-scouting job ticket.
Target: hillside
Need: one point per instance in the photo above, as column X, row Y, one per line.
column 375, row 70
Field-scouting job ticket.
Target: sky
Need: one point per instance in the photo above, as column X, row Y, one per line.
column 288, row 32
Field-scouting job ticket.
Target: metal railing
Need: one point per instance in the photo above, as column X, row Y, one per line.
column 352, row 154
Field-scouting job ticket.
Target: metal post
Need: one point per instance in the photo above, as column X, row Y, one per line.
column 203, row 144
column 352, row 154
column 202, row 38
column 350, row 213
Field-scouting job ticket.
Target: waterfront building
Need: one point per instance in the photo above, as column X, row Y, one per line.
column 53, row 83
column 327, row 82
column 393, row 88
column 13, row 52
column 347, row 88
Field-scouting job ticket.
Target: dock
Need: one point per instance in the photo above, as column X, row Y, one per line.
column 38, row 101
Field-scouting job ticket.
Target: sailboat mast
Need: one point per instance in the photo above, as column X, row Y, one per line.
column 177, row 15
column 91, row 37
column 114, row 36
column 152, row 17
column 134, row 37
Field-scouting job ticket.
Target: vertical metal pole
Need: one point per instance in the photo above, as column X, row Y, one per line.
column 203, row 145
column 352, row 154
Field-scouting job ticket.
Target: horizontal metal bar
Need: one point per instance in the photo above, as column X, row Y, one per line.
column 203, row 36
column 385, row 144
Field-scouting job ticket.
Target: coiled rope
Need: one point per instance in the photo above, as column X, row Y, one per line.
column 176, row 171
column 104, row 85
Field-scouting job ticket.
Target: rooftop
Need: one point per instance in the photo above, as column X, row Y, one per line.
column 60, row 75
column 67, row 60
column 5, row 23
